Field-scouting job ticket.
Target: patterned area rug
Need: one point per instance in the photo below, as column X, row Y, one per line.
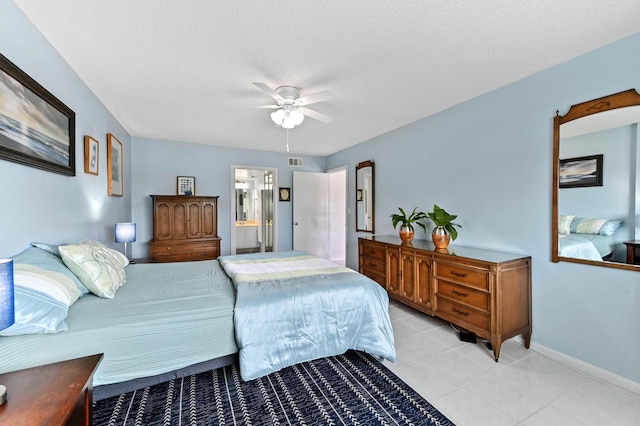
column 353, row 389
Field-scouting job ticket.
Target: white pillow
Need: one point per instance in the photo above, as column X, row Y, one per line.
column 564, row 224
column 98, row 267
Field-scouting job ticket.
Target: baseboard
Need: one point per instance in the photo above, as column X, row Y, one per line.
column 598, row 373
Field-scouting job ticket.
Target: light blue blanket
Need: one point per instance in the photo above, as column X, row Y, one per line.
column 293, row 307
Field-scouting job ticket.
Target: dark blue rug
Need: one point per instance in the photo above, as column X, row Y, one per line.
column 353, row 389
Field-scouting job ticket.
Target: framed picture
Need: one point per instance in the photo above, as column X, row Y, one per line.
column 581, row 171
column 114, row 166
column 358, row 194
column 284, row 194
column 186, row 185
column 91, row 155
column 36, row 128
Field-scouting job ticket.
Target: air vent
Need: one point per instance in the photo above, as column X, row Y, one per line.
column 295, row 162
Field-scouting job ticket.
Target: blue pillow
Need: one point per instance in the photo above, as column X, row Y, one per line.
column 49, row 248
column 41, row 300
column 580, row 225
column 38, row 257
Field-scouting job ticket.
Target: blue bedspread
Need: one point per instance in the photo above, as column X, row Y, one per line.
column 293, row 307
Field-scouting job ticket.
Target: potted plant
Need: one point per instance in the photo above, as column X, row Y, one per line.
column 445, row 228
column 406, row 229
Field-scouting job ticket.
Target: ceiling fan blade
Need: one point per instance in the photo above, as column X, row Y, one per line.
column 315, row 97
column 268, row 106
column 269, row 91
column 316, row 115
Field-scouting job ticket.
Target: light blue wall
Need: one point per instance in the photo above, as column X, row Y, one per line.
column 44, row 206
column 157, row 164
column 489, row 160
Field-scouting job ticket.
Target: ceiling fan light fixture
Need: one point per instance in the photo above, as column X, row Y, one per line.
column 288, row 116
column 278, row 117
column 297, row 116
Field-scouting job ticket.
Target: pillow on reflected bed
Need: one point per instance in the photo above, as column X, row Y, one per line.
column 44, row 290
column 605, row 227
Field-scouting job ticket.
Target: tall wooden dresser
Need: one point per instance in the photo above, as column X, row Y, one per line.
column 483, row 291
column 184, row 228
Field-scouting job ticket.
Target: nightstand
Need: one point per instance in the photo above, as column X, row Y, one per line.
column 632, row 246
column 52, row 394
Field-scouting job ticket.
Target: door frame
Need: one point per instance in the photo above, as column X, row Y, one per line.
column 232, row 205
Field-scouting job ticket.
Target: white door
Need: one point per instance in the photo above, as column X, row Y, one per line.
column 311, row 213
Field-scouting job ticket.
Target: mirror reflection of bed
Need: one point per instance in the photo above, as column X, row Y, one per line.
column 595, row 219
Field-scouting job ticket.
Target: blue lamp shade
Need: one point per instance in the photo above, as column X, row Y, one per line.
column 7, row 316
column 125, row 232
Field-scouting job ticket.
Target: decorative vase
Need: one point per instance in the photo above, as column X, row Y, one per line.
column 440, row 237
column 406, row 233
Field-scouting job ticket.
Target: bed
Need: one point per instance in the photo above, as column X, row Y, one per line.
column 583, row 238
column 585, row 246
column 293, row 307
column 163, row 321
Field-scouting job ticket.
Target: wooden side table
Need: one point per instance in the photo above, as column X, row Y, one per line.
column 632, row 246
column 53, row 394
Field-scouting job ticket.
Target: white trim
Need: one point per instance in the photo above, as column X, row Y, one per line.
column 622, row 383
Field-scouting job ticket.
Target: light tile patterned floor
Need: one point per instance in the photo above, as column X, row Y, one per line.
column 525, row 388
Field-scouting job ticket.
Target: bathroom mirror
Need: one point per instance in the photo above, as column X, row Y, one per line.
column 596, row 186
column 365, row 196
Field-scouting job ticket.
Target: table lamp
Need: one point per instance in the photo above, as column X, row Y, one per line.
column 7, row 314
column 125, row 233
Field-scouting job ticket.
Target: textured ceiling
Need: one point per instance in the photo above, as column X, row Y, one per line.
column 183, row 70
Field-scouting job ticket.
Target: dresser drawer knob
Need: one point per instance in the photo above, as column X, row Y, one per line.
column 459, row 293
column 458, row 274
column 461, row 313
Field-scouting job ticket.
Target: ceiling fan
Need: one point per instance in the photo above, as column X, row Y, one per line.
column 291, row 108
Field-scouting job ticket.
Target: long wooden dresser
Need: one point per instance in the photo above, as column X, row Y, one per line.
column 184, row 228
column 483, row 291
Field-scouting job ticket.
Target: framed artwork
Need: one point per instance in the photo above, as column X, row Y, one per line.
column 284, row 194
column 115, row 163
column 581, row 172
column 358, row 194
column 36, row 128
column 91, row 155
column 186, row 185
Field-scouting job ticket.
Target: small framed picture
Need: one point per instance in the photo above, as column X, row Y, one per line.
column 115, row 166
column 186, row 185
column 91, row 155
column 284, row 194
column 358, row 194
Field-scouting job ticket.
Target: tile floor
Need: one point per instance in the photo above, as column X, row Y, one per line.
column 525, row 388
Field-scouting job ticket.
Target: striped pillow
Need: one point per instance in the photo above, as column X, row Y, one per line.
column 41, row 300
column 606, row 227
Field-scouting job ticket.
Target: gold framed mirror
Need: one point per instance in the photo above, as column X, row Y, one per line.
column 365, row 196
column 596, row 184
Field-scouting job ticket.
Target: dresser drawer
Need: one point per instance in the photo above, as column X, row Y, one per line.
column 167, row 252
column 459, row 313
column 473, row 277
column 379, row 278
column 372, row 251
column 373, row 264
column 462, row 294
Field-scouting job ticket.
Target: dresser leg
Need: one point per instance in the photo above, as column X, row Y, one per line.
column 527, row 339
column 496, row 348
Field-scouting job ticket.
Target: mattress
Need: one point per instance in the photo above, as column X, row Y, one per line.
column 166, row 316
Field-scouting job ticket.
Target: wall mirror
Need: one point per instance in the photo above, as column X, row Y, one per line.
column 365, row 196
column 596, row 184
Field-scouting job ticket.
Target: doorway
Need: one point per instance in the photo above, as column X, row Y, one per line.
column 253, row 210
column 319, row 214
